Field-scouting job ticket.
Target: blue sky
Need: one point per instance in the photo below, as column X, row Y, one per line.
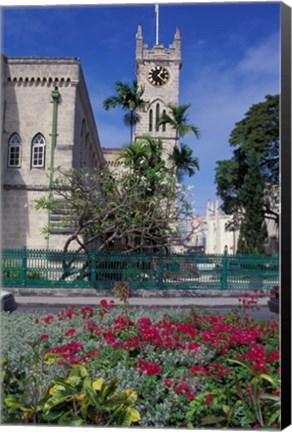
column 230, row 56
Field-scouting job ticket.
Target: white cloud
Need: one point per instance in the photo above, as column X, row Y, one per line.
column 220, row 96
column 261, row 60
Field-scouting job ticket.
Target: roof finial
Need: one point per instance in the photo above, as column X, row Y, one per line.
column 177, row 34
column 139, row 32
column 157, row 23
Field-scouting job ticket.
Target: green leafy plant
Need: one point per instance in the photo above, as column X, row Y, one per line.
column 81, row 400
column 81, row 366
column 256, row 395
column 223, row 408
column 77, row 399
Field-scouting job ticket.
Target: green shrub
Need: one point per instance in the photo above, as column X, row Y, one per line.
column 184, row 368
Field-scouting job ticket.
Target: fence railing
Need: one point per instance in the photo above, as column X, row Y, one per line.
column 57, row 269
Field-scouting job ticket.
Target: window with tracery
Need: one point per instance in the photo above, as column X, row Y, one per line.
column 14, row 151
column 38, row 151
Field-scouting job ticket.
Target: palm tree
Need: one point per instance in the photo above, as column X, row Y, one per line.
column 129, row 98
column 134, row 154
column 145, row 154
column 183, row 161
column 178, row 119
column 144, row 159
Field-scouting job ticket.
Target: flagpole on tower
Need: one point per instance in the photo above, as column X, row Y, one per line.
column 157, row 22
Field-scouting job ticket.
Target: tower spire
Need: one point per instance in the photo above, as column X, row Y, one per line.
column 157, row 23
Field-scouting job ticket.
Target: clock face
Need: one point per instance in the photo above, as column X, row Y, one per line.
column 158, row 76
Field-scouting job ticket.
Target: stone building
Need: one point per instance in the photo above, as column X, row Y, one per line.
column 218, row 233
column 157, row 71
column 47, row 122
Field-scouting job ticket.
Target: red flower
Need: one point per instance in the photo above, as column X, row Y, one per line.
column 70, row 332
column 167, row 383
column 37, row 320
column 195, row 369
column 190, row 395
column 87, row 312
column 103, row 303
column 110, row 337
column 274, row 356
column 44, row 336
column 194, row 346
column 209, row 399
column 48, row 319
column 181, row 388
column 151, row 369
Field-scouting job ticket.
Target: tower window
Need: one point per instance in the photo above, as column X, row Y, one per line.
column 164, row 125
column 157, row 116
column 14, row 151
column 38, row 151
column 150, row 120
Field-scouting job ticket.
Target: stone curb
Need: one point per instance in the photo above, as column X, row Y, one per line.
column 150, row 302
column 86, row 292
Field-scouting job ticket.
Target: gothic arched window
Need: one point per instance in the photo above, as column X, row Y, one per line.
column 14, row 151
column 150, row 120
column 157, row 116
column 164, row 125
column 38, row 151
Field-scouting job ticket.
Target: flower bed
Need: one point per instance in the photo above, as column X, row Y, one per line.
column 106, row 366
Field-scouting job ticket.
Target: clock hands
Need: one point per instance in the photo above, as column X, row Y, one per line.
column 158, row 76
column 161, row 75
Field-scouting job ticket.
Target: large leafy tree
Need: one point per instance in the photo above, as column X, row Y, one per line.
column 143, row 161
column 253, row 229
column 146, row 152
column 129, row 98
column 127, row 210
column 257, row 132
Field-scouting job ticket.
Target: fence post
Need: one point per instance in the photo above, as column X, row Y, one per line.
column 93, row 269
column 224, row 269
column 23, row 266
column 160, row 270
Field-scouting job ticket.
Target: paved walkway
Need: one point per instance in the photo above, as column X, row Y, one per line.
column 57, row 301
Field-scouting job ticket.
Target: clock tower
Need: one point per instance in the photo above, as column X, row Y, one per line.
column 157, row 71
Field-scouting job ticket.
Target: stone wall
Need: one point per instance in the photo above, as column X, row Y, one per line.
column 28, row 110
column 146, row 58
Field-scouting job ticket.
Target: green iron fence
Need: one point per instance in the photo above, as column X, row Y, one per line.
column 56, row 269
